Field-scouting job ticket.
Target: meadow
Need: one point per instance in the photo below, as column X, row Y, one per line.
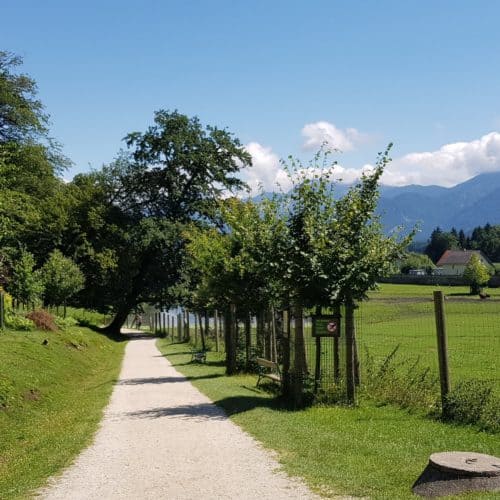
column 53, row 388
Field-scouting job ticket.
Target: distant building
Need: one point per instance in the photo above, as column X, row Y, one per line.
column 454, row 262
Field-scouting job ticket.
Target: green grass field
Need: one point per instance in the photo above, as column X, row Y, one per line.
column 370, row 451
column 51, row 401
column 404, row 315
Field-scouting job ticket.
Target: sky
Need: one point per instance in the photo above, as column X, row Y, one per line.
column 283, row 76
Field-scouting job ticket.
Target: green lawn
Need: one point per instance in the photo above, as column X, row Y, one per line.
column 51, row 401
column 404, row 315
column 368, row 451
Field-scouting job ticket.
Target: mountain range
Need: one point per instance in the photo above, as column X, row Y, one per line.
column 465, row 206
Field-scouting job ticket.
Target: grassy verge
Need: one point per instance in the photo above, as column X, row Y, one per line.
column 370, row 451
column 51, row 400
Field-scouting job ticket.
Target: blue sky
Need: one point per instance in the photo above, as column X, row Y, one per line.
column 281, row 75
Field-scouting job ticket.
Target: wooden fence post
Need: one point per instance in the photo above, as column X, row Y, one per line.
column 444, row 375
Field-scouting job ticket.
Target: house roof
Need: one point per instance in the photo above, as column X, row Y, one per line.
column 460, row 257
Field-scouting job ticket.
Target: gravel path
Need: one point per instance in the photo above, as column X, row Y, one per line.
column 161, row 438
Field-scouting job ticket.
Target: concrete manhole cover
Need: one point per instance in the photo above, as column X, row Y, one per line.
column 466, row 463
column 456, row 472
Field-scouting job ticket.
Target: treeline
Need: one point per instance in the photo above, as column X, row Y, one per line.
column 486, row 239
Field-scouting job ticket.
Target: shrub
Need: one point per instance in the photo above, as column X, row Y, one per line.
column 43, row 320
column 64, row 323
column 402, row 382
column 17, row 322
column 490, row 417
column 468, row 401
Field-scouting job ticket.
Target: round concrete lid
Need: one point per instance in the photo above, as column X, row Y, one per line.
column 466, row 463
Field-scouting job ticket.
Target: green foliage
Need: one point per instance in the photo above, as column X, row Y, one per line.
column 334, row 250
column 439, row 242
column 21, row 114
column 400, row 381
column 18, row 322
column 413, row 260
column 487, row 239
column 472, row 402
column 26, row 286
column 476, row 273
column 130, row 216
column 65, row 323
column 62, row 279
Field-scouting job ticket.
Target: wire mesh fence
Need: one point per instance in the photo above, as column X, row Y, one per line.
column 394, row 335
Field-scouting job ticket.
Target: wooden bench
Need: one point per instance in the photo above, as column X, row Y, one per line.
column 268, row 369
column 198, row 356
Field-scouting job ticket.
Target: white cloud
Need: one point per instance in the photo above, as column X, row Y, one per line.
column 318, row 133
column 268, row 172
column 451, row 164
column 266, row 169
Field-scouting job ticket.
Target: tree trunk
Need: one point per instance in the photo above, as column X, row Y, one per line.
column 230, row 338
column 204, row 332
column 114, row 328
column 299, row 371
column 248, row 339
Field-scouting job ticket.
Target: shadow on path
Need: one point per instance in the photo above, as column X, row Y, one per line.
column 219, row 410
column 202, row 411
column 163, row 380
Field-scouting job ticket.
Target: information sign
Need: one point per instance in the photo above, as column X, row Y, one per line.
column 325, row 326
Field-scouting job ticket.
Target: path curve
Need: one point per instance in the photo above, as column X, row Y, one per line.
column 161, row 438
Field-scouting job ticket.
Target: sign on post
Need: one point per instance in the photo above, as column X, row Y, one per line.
column 325, row 326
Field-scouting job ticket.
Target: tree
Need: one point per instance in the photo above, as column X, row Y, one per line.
column 26, row 285
column 61, row 278
column 21, row 113
column 477, row 274
column 332, row 251
column 174, row 175
column 439, row 242
column 413, row 260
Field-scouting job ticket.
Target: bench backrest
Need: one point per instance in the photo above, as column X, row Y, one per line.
column 266, row 363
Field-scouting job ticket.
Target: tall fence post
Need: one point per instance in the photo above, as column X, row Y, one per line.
column 444, row 375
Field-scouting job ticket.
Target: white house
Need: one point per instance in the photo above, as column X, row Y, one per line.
column 454, row 262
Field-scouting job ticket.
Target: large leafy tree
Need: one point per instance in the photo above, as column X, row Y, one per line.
column 32, row 197
column 61, row 278
column 173, row 175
